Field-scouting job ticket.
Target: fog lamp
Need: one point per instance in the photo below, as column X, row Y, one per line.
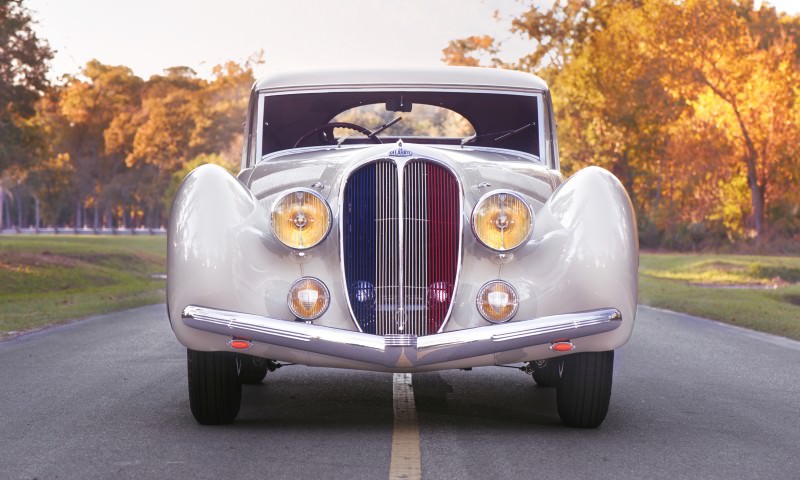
column 365, row 291
column 301, row 219
column 497, row 301
column 308, row 298
column 438, row 292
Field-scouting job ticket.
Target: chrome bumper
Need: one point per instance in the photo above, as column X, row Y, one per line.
column 402, row 351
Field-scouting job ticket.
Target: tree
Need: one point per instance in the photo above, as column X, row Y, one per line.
column 112, row 141
column 746, row 84
column 87, row 106
column 464, row 51
column 695, row 104
column 23, row 68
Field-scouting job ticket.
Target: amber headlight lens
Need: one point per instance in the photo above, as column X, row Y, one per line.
column 497, row 301
column 502, row 221
column 308, row 298
column 301, row 219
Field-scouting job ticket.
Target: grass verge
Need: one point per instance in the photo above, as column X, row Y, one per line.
column 757, row 292
column 46, row 280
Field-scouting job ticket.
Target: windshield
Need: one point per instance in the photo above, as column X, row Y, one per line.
column 501, row 120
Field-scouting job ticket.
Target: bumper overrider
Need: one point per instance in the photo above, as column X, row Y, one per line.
column 402, row 351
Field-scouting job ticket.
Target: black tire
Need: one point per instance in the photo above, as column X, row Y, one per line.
column 251, row 370
column 215, row 393
column 546, row 376
column 584, row 391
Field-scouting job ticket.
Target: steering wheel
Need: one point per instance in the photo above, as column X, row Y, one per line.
column 325, row 132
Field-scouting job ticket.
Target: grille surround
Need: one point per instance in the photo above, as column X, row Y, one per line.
column 407, row 283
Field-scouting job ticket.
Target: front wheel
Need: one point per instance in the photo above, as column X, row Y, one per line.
column 215, row 392
column 546, row 373
column 252, row 370
column 584, row 390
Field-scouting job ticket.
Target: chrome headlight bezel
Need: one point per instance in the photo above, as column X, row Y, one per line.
column 294, row 191
column 480, row 203
column 321, row 287
column 513, row 295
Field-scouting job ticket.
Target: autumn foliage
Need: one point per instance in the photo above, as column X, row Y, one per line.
column 112, row 145
column 694, row 105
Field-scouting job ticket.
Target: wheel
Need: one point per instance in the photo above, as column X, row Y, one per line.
column 584, row 390
column 251, row 370
column 546, row 373
column 325, row 132
column 215, row 393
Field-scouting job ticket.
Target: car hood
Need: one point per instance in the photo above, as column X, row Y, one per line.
column 479, row 169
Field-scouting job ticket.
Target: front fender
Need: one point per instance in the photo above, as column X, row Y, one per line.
column 583, row 255
column 206, row 221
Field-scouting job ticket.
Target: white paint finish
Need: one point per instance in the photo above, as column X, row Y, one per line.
column 582, row 254
column 373, row 78
column 222, row 255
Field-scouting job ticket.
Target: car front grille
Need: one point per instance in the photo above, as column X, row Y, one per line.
column 401, row 238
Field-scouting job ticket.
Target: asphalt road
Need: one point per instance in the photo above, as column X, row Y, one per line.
column 106, row 398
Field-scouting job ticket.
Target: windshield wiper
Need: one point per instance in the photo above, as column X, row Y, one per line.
column 384, row 126
column 372, row 133
column 502, row 135
column 511, row 133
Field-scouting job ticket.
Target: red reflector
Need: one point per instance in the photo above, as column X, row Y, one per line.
column 239, row 344
column 562, row 347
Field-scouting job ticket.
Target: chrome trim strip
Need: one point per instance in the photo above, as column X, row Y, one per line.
column 444, row 146
column 401, row 351
column 400, row 166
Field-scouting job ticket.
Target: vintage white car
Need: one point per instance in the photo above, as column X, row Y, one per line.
column 402, row 221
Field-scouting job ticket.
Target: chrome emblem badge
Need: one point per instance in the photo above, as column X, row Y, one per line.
column 399, row 151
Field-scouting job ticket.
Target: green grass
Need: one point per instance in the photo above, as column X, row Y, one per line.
column 46, row 280
column 757, row 292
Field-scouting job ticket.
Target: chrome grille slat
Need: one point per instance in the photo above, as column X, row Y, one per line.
column 415, row 220
column 386, row 237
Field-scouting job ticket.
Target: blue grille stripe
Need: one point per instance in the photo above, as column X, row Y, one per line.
column 359, row 244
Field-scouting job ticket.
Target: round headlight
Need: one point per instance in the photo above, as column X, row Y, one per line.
column 502, row 221
column 497, row 301
column 301, row 219
column 308, row 298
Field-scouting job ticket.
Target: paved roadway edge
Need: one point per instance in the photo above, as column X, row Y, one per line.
column 755, row 334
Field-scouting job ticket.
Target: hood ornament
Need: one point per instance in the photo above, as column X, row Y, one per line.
column 399, row 151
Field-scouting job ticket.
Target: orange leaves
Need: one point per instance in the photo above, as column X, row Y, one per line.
column 694, row 104
column 463, row 51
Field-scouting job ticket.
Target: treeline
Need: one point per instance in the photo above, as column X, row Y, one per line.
column 694, row 105
column 110, row 146
column 105, row 148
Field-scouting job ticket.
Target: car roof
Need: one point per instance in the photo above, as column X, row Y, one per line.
column 397, row 77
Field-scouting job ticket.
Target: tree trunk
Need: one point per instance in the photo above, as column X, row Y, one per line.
column 2, row 209
column 757, row 195
column 19, row 213
column 6, row 210
column 78, row 215
column 36, row 218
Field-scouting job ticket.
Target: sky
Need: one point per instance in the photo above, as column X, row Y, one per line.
column 151, row 35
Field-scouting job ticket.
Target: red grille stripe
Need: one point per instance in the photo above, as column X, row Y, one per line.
column 443, row 242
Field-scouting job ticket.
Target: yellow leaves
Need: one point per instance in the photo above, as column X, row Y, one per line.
column 463, row 51
column 734, row 204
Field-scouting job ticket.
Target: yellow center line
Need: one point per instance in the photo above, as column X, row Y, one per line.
column 405, row 438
